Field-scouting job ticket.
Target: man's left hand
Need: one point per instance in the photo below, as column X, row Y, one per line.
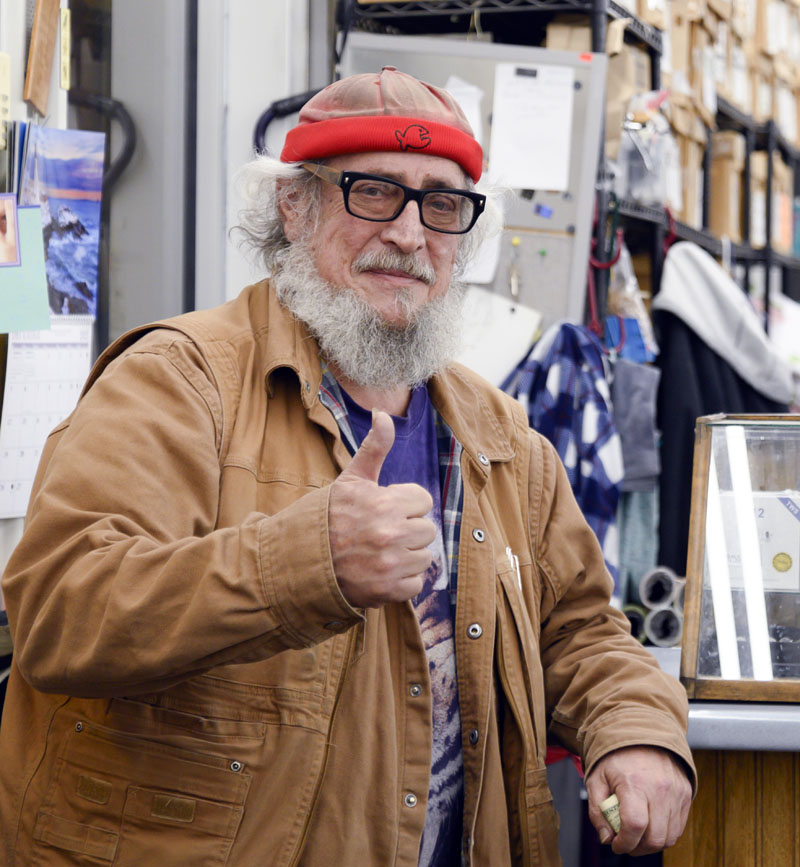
column 654, row 798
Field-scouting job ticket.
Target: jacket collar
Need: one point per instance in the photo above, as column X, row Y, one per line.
column 287, row 342
column 481, row 429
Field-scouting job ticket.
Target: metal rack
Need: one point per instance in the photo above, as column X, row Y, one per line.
column 650, row 36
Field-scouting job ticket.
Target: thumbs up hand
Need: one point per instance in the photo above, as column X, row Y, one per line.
column 378, row 535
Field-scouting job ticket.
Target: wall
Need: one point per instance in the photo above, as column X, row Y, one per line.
column 252, row 54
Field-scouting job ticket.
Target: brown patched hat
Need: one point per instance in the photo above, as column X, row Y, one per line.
column 390, row 111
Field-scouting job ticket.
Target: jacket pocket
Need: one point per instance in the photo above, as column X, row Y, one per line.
column 122, row 800
column 181, row 728
column 543, row 821
column 528, row 643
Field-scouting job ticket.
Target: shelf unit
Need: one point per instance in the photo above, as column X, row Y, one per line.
column 646, row 34
column 758, row 136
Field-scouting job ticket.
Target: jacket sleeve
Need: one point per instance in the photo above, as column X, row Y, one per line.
column 603, row 689
column 122, row 583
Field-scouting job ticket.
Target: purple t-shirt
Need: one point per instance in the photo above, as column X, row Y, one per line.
column 414, row 457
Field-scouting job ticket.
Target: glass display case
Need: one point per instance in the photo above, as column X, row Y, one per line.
column 741, row 636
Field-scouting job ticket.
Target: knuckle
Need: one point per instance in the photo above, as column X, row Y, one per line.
column 415, row 586
column 387, row 562
column 383, row 537
column 637, row 827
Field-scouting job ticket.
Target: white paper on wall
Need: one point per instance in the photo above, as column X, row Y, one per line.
column 45, row 372
column 532, row 126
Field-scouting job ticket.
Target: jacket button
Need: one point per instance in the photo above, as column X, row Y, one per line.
column 473, row 737
column 410, row 800
column 478, row 535
column 235, row 766
column 415, row 690
column 483, row 459
column 474, row 630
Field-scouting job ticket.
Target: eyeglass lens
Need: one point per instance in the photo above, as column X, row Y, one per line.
column 382, row 200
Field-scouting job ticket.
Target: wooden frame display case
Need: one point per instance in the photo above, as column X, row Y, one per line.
column 741, row 637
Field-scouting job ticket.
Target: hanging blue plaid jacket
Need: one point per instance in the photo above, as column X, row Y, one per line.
column 562, row 383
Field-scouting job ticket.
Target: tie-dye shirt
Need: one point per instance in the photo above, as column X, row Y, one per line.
column 415, row 458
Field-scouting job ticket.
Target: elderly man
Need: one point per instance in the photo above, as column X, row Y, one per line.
column 296, row 589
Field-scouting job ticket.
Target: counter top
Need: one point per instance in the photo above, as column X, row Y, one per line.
column 736, row 725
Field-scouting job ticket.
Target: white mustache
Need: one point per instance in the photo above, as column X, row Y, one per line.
column 389, row 261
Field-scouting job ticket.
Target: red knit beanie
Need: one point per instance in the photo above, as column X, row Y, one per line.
column 390, row 111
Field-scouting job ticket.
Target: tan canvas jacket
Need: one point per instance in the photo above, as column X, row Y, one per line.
column 189, row 685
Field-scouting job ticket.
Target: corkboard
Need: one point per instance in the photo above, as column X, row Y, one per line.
column 40, row 55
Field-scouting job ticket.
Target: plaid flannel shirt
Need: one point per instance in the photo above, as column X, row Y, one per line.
column 450, row 480
column 567, row 398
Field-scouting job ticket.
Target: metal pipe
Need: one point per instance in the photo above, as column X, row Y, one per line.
column 663, row 627
column 658, row 587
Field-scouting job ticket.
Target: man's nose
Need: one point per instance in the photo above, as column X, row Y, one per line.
column 405, row 231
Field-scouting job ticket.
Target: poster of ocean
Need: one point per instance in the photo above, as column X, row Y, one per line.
column 63, row 172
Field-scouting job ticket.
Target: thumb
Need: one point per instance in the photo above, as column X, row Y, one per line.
column 368, row 460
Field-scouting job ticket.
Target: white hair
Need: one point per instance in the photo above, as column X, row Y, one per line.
column 265, row 181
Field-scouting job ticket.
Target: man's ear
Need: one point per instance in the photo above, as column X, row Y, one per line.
column 288, row 207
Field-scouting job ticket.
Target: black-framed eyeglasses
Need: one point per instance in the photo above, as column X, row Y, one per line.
column 372, row 197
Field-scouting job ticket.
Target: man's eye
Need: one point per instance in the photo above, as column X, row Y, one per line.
column 443, row 204
column 374, row 191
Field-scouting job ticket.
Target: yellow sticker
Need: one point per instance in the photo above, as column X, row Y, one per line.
column 782, row 562
column 66, row 45
column 5, row 95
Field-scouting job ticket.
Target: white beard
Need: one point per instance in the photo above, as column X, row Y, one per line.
column 354, row 337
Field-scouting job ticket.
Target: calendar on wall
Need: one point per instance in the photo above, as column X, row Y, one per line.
column 45, row 372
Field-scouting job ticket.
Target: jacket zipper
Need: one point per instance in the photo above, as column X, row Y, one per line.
column 345, row 665
column 522, row 806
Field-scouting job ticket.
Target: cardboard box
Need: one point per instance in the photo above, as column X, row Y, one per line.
column 690, row 10
column 771, row 31
column 679, row 51
column 725, row 199
column 758, row 199
column 782, row 198
column 569, row 33
column 742, row 18
column 761, row 84
column 721, row 8
column 698, row 130
column 784, row 108
column 729, row 145
column 679, row 112
column 721, row 48
column 653, row 12
column 738, row 73
column 692, row 161
column 793, row 49
column 797, row 111
column 702, row 73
